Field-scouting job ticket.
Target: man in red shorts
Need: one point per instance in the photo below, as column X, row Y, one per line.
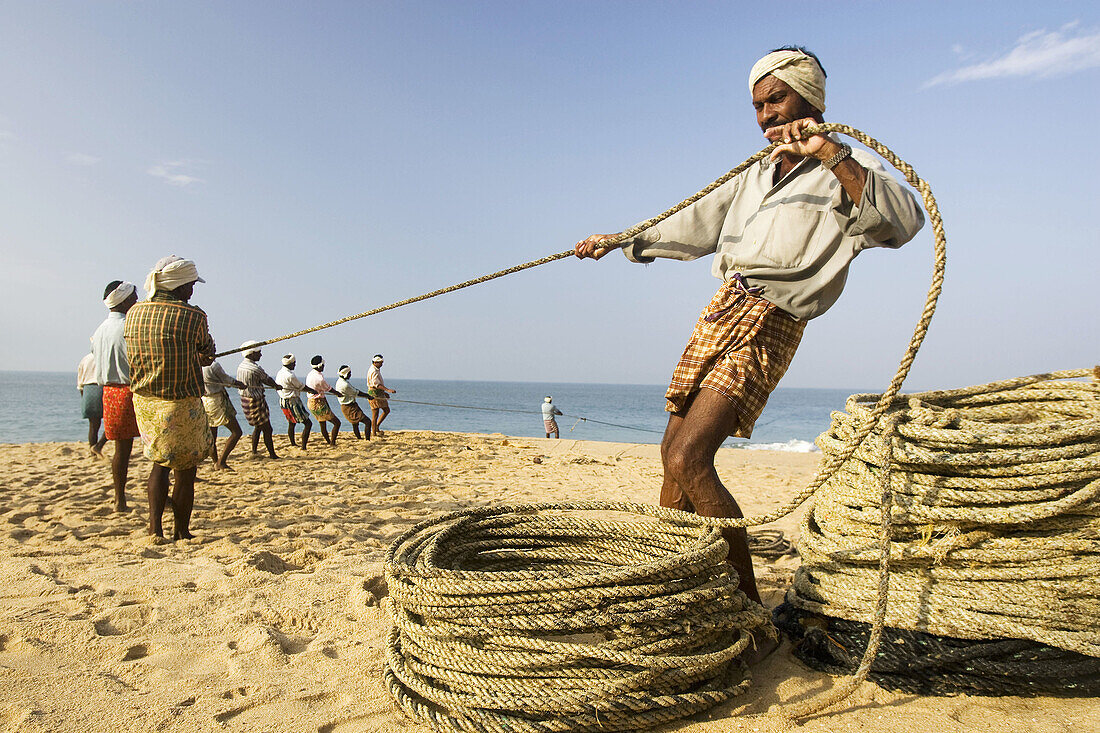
column 113, row 372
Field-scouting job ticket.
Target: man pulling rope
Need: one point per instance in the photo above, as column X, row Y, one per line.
column 783, row 232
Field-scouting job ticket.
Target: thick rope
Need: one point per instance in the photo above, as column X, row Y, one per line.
column 905, row 168
column 995, row 531
column 479, row 684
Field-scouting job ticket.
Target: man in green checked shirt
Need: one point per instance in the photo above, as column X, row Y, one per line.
column 167, row 343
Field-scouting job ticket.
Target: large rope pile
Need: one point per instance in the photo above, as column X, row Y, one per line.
column 623, row 666
column 994, row 540
column 531, row 618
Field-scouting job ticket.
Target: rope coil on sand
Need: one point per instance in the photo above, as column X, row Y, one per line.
column 612, row 677
column 994, row 534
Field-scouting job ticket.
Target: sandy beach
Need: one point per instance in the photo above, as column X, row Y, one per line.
column 273, row 617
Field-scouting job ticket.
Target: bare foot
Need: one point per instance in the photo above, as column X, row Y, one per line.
column 223, row 467
column 96, row 451
column 120, row 506
column 182, row 534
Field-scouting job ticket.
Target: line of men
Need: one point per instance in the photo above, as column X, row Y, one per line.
column 151, row 373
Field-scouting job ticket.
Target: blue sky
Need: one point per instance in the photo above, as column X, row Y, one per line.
column 319, row 159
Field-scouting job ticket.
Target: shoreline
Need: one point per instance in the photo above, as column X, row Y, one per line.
column 274, row 617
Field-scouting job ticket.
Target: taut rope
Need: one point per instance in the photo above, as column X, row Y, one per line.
column 886, row 153
column 488, row 603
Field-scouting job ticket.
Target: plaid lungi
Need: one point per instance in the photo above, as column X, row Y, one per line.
column 354, row 413
column 174, row 432
column 550, row 424
column 294, row 410
column 219, row 409
column 741, row 348
column 254, row 407
column 378, row 399
column 119, row 422
column 320, row 409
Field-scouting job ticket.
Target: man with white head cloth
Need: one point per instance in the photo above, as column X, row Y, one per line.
column 113, row 375
column 253, row 401
column 783, row 234
column 290, row 400
column 168, row 343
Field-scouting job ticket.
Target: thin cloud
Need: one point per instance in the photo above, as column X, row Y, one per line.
column 173, row 173
column 82, row 159
column 1039, row 54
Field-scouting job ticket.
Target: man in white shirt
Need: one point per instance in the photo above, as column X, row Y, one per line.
column 351, row 409
column 220, row 411
column 290, row 400
column 783, row 233
column 113, row 374
column 318, row 403
column 378, row 394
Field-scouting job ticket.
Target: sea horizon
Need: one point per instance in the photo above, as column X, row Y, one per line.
column 632, row 413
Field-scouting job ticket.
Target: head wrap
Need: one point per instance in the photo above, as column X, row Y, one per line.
column 288, row 359
column 377, row 358
column 548, row 399
column 171, row 272
column 799, row 71
column 119, row 295
column 345, row 372
column 317, row 362
column 247, row 347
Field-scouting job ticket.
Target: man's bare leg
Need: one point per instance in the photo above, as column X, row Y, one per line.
column 324, row 430
column 306, row 428
column 377, row 419
column 256, row 440
column 355, row 430
column 120, row 469
column 214, row 448
column 269, row 443
column 335, row 430
column 290, row 433
column 157, row 489
column 95, row 443
column 183, row 500
column 235, row 434
column 691, row 482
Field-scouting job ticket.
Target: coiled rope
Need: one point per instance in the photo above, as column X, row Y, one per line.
column 534, row 618
column 994, row 532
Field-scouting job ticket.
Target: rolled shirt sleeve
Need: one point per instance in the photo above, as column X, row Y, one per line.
column 888, row 214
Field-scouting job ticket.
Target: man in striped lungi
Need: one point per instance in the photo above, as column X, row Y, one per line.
column 253, row 402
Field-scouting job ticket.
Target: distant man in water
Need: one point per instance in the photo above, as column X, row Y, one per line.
column 91, row 402
column 113, row 373
column 290, row 400
column 352, row 411
column 378, row 394
column 783, row 233
column 168, row 342
column 548, row 413
column 253, row 401
column 220, row 411
column 318, row 402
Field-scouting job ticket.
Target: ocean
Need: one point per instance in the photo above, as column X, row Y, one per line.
column 37, row 407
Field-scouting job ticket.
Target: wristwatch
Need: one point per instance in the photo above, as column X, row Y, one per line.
column 844, row 152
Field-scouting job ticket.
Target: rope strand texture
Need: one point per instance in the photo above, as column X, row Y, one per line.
column 421, row 671
column 995, row 522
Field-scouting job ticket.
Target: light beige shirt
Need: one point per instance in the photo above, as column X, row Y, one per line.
column 796, row 239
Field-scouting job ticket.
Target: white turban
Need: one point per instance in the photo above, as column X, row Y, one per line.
column 799, row 71
column 171, row 272
column 346, row 372
column 548, row 399
column 288, row 359
column 377, row 359
column 249, row 347
column 119, row 295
